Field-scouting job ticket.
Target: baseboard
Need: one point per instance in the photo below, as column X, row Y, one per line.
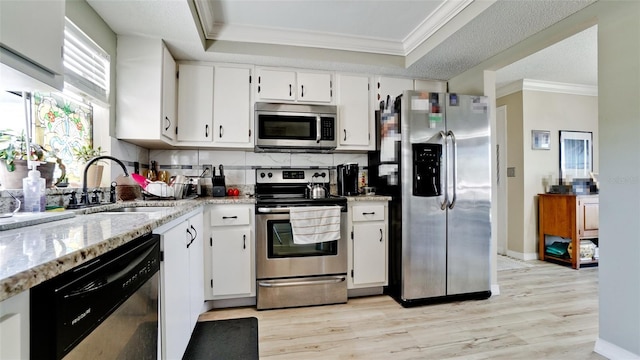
column 226, row 303
column 378, row 290
column 495, row 289
column 522, row 256
column 611, row 351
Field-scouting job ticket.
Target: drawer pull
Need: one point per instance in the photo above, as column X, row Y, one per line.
column 229, row 217
column 369, row 213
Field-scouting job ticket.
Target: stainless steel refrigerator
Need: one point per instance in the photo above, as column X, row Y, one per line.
column 440, row 212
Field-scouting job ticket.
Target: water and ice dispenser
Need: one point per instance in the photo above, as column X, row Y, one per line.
column 426, row 169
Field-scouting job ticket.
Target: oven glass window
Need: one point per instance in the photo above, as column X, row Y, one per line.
column 287, row 127
column 281, row 245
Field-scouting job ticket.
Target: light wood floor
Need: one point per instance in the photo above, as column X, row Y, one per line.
column 547, row 311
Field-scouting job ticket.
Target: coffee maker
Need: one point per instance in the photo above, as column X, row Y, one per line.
column 348, row 179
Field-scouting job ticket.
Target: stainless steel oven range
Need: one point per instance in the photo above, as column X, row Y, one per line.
column 289, row 273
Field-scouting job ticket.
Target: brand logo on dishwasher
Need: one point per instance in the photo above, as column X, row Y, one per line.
column 81, row 316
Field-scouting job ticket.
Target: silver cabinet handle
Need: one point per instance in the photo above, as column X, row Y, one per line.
column 455, row 168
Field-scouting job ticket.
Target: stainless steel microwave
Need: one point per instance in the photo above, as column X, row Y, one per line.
column 295, row 127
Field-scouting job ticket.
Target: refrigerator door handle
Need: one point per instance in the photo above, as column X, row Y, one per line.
column 444, row 203
column 454, row 146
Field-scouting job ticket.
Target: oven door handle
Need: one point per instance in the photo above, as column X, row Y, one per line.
column 332, row 280
column 266, row 210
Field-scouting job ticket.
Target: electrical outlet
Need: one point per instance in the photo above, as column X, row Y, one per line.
column 206, row 170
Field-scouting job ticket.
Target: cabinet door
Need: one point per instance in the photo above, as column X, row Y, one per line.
column 169, row 91
column 35, row 31
column 175, row 312
column 231, row 261
column 353, row 112
column 589, row 216
column 276, row 85
column 196, row 267
column 369, row 253
column 314, row 87
column 232, row 116
column 391, row 87
column 195, row 102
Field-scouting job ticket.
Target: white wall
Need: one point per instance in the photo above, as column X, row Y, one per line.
column 619, row 105
column 83, row 15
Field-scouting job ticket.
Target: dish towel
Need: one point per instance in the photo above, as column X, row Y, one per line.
column 314, row 224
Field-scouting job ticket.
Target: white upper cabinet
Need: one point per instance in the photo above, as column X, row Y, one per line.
column 145, row 96
column 275, row 85
column 195, row 103
column 169, row 93
column 291, row 85
column 314, row 87
column 232, row 107
column 355, row 117
column 391, row 88
column 31, row 43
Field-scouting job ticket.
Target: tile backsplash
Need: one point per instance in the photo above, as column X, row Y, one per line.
column 239, row 166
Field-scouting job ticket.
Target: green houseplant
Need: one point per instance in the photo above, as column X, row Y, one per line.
column 13, row 150
column 85, row 153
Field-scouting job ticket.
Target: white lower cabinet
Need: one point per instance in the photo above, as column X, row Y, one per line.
column 230, row 252
column 14, row 327
column 181, row 291
column 368, row 245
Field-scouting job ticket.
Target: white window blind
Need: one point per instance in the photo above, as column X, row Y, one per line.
column 86, row 65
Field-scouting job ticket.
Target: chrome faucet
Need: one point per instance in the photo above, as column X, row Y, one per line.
column 84, row 197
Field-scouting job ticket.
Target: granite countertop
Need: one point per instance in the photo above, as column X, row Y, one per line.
column 33, row 254
column 369, row 198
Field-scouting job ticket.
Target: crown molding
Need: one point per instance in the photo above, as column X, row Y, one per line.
column 546, row 86
column 282, row 36
column 431, row 24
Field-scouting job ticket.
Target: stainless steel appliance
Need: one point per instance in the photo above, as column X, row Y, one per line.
column 290, row 274
column 439, row 149
column 104, row 309
column 295, row 127
column 348, row 179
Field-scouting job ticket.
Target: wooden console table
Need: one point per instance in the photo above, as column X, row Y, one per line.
column 569, row 216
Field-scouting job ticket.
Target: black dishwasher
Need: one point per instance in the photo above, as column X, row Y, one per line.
column 106, row 308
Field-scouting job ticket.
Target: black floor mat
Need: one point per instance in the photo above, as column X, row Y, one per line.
column 224, row 340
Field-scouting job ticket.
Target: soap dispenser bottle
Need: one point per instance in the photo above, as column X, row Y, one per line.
column 33, row 187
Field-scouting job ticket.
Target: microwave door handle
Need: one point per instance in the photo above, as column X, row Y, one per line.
column 318, row 122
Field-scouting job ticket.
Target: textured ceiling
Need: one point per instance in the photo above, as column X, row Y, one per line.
column 502, row 25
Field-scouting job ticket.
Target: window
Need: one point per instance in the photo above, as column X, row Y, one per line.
column 86, row 65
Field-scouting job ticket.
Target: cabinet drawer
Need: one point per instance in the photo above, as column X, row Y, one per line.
column 368, row 213
column 226, row 216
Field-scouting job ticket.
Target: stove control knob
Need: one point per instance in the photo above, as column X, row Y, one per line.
column 262, row 175
column 270, row 175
